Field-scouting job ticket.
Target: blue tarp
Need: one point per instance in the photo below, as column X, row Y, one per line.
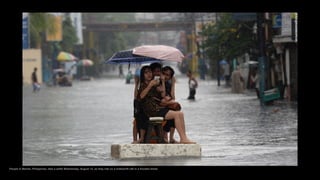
column 126, row 56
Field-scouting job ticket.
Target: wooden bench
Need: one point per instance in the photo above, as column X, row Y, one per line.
column 155, row 130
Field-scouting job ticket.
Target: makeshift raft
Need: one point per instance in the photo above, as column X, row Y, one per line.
column 131, row 151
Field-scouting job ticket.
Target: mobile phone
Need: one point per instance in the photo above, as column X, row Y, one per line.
column 157, row 77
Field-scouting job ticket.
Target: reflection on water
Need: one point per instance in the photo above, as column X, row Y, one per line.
column 77, row 125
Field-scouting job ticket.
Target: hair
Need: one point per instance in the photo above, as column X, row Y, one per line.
column 168, row 68
column 155, row 65
column 142, row 72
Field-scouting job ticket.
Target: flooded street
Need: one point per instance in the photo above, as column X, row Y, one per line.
column 77, row 125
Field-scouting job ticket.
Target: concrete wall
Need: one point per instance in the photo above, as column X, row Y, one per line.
column 31, row 58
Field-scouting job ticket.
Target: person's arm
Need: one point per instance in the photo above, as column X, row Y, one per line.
column 194, row 79
column 165, row 102
column 136, row 84
column 163, row 88
column 253, row 78
column 145, row 91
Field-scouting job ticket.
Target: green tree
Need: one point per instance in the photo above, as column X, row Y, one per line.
column 69, row 36
column 40, row 23
column 227, row 39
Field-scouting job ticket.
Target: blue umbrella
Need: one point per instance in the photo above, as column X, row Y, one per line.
column 126, row 57
column 223, row 62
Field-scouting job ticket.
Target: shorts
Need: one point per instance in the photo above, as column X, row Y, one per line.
column 136, row 108
column 142, row 121
column 168, row 125
column 162, row 112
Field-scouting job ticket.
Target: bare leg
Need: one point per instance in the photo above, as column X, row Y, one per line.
column 172, row 140
column 141, row 137
column 142, row 134
column 181, row 115
column 165, row 137
column 180, row 126
column 134, row 132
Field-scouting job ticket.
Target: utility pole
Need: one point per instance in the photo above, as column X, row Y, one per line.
column 262, row 54
column 218, row 65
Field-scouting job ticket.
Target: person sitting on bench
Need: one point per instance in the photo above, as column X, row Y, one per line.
column 151, row 108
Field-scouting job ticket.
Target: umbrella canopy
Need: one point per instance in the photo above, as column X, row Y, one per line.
column 223, row 62
column 147, row 54
column 85, row 62
column 252, row 62
column 126, row 56
column 163, row 52
column 58, row 70
column 64, row 56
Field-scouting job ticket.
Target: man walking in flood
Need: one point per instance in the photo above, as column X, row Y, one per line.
column 34, row 80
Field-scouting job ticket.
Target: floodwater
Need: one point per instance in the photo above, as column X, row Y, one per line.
column 76, row 126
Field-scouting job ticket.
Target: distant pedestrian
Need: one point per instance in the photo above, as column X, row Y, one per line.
column 34, row 80
column 254, row 79
column 237, row 79
column 129, row 76
column 121, row 71
column 193, row 84
column 226, row 74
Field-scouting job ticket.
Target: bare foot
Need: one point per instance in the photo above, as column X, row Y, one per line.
column 187, row 141
column 173, row 141
column 137, row 141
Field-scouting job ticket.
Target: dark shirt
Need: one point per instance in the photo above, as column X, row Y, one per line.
column 150, row 105
column 34, row 77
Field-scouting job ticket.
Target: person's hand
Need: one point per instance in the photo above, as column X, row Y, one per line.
column 173, row 80
column 154, row 82
column 167, row 98
column 162, row 77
